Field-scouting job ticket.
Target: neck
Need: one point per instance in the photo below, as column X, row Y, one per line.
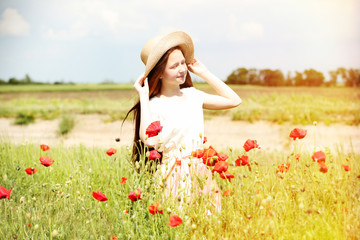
column 170, row 90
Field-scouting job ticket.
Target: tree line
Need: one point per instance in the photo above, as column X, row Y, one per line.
column 27, row 80
column 310, row 77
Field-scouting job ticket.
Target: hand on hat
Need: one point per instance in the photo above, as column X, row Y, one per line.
column 197, row 67
column 141, row 85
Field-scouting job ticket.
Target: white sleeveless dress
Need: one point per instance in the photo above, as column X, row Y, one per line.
column 183, row 131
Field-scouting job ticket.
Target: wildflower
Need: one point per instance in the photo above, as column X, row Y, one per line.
column 205, row 140
column 113, row 237
column 111, row 151
column 298, row 133
column 323, row 167
column 319, row 156
column 135, row 195
column 155, row 209
column 153, row 154
column 283, row 167
column 209, row 153
column 153, row 129
column 44, row 147
column 297, row 157
column 226, row 175
column 99, row 196
column 250, row 144
column 174, row 220
column 123, row 180
column 199, row 153
column 243, row 160
column 222, row 156
column 4, row 193
column 221, row 167
column 346, row 168
column 30, row 171
column 125, row 211
column 227, row 193
column 46, row 161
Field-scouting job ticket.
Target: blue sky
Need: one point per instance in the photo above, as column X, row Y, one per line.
column 90, row 41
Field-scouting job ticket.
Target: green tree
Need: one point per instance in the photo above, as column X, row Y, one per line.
column 313, row 77
column 238, row 76
column 272, row 77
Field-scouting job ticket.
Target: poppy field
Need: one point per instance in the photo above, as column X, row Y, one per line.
column 57, row 192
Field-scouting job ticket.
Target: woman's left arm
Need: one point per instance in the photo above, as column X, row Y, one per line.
column 226, row 97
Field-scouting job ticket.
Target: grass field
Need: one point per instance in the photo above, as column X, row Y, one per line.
column 278, row 105
column 57, row 203
column 279, row 195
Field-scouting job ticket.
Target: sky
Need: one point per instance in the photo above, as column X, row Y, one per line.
column 92, row 41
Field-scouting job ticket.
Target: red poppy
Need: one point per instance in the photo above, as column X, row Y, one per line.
column 209, row 156
column 44, row 147
column 199, row 153
column 114, row 237
column 99, row 196
column 298, row 133
column 250, row 144
column 222, row 156
column 323, row 167
column 123, row 180
column 174, row 220
column 30, row 171
column 111, row 151
column 243, row 160
column 46, row 161
column 227, row 193
column 205, row 140
column 221, row 167
column 283, row 168
column 319, row 156
column 153, row 154
column 153, row 129
column 346, row 168
column 297, row 157
column 155, row 209
column 4, row 193
column 135, row 195
column 125, row 211
column 226, row 175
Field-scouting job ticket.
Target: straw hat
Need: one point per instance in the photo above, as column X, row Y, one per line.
column 155, row 48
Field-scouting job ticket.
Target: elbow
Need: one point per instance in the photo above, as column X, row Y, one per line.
column 237, row 102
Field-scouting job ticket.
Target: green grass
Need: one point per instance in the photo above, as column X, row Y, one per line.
column 300, row 204
column 66, row 124
column 63, row 87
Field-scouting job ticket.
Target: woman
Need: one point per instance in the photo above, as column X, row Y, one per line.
column 166, row 94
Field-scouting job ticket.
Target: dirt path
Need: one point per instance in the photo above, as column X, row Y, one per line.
column 92, row 131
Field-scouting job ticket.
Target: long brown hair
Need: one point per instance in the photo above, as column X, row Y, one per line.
column 154, row 89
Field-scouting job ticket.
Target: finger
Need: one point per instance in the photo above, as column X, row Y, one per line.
column 146, row 83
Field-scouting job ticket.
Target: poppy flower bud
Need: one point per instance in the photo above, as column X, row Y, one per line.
column 168, row 210
column 183, row 146
column 137, row 165
column 200, row 135
column 146, row 137
column 193, row 226
column 230, row 149
column 36, row 226
column 315, row 123
column 22, row 199
column 147, row 154
column 54, row 233
column 189, row 164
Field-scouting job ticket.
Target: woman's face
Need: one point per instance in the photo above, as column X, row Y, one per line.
column 175, row 69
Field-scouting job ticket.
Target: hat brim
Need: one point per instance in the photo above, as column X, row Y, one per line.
column 174, row 39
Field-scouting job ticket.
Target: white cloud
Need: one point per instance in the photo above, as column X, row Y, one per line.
column 245, row 31
column 97, row 18
column 77, row 30
column 12, row 23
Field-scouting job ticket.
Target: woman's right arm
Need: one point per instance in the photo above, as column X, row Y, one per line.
column 142, row 87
